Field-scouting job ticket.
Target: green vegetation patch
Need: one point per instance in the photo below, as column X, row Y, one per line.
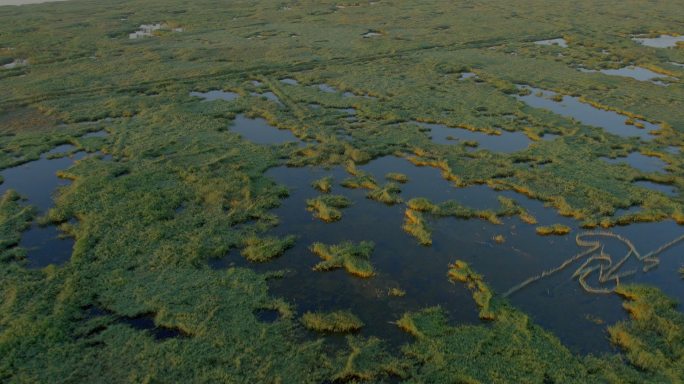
column 14, row 219
column 260, row 250
column 327, row 207
column 355, row 258
column 333, row 322
column 555, row 229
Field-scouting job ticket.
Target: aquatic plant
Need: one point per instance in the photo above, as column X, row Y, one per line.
column 398, row 177
column 460, row 271
column 555, row 229
column 602, row 263
column 15, row 218
column 355, row 258
column 333, row 322
column 388, row 194
column 263, row 249
column 323, row 184
column 416, row 226
column 327, row 207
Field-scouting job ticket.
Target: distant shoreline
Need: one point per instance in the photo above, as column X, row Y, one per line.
column 25, row 2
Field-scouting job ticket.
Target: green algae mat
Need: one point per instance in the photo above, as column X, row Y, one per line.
column 312, row 192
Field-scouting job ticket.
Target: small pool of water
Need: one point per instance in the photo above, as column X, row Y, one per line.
column 662, row 41
column 16, row 63
column 641, row 162
column 37, row 180
column 558, row 41
column 45, row 246
column 145, row 30
column 636, row 73
column 467, row 75
column 506, row 142
column 269, row 96
column 666, row 189
column 215, row 95
column 260, row 132
column 289, row 81
column 570, row 106
column 101, row 133
column 370, row 34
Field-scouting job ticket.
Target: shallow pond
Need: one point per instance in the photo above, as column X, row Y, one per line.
column 289, row 81
column 666, row 189
column 260, row 132
column 400, row 262
column 215, row 95
column 641, row 162
column 662, row 41
column 467, row 75
column 570, row 106
column 558, row 41
column 37, row 181
column 636, row 73
column 506, row 142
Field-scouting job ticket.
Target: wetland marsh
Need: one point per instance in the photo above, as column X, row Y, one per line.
column 470, row 192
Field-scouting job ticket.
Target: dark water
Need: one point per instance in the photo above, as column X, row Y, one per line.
column 260, row 132
column 570, row 106
column 506, row 142
column 641, row 162
column 141, row 323
column 215, row 95
column 558, row 303
column 37, row 181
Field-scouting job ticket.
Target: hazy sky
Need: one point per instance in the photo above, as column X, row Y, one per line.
column 20, row 2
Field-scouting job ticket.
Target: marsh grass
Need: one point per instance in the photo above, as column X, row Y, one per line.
column 323, row 184
column 555, row 229
column 461, row 272
column 332, row 322
column 261, row 250
column 388, row 194
column 355, row 258
column 416, row 226
column 15, row 218
column 327, row 207
column 397, row 177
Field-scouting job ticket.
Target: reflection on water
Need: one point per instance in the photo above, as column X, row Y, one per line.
column 400, row 262
column 570, row 106
column 641, row 162
column 260, row 132
column 662, row 41
column 559, row 42
column 506, row 142
column 215, row 95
